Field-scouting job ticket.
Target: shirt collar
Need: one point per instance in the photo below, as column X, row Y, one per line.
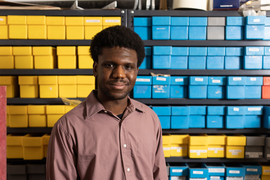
column 93, row 106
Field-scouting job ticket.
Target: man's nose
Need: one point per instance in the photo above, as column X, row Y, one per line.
column 119, row 72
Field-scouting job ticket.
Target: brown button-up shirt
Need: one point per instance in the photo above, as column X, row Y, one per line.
column 91, row 143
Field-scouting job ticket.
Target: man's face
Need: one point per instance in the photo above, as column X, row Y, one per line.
column 116, row 72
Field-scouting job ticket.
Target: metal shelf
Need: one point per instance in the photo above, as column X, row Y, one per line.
column 29, row 130
column 208, row 160
column 216, row 131
column 53, row 101
column 14, row 72
column 22, row 161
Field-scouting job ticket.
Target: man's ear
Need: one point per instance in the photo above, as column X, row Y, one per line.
column 95, row 69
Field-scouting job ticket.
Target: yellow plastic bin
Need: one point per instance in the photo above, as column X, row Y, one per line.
column 48, row 86
column 7, row 114
column 166, row 143
column 56, row 28
column 37, row 28
column 28, row 86
column 17, row 27
column 67, row 86
column 32, row 147
column 110, row 21
column 14, row 146
column 37, row 115
column 46, row 139
column 216, row 146
column 74, row 28
column 198, row 145
column 92, row 26
column 23, row 57
column 44, row 57
column 66, row 57
column 54, row 112
column 85, row 85
column 18, row 116
column 179, row 145
column 85, row 60
column 3, row 27
column 235, row 146
column 12, row 85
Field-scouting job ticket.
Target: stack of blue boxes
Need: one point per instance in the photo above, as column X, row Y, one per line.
column 197, row 116
column 215, row 58
column 235, row 28
column 161, row 27
column 236, row 87
column 146, row 64
column 143, row 87
column 233, row 58
column 143, row 27
column 164, row 115
column 198, row 87
column 179, row 58
column 216, row 171
column 197, row 28
column 179, row 171
column 178, row 86
column 255, row 27
column 215, row 116
column 266, row 117
column 161, row 87
column 253, row 57
column 179, row 28
column 180, row 117
column 252, row 171
column 235, row 170
column 197, row 58
column 253, row 116
column 216, row 87
column 162, row 57
column 253, row 87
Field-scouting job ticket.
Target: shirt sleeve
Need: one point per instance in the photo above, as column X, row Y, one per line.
column 160, row 171
column 61, row 159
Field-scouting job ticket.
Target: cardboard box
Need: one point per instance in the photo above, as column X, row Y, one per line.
column 198, row 151
column 85, row 62
column 85, row 84
column 235, row 152
column 197, row 62
column 215, row 33
column 18, row 116
column 216, row 151
column 178, row 150
column 37, row 32
column 54, row 112
column 44, row 62
column 234, row 32
column 37, row 120
column 233, row 62
column 111, row 21
column 236, row 140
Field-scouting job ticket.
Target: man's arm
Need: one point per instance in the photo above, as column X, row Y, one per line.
column 160, row 171
column 61, row 160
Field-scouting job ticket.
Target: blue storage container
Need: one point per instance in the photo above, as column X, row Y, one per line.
column 254, row 51
column 180, row 51
column 179, row 169
column 216, row 92
column 266, row 62
column 142, row 88
column 215, row 62
column 214, row 121
column 197, row 110
column 180, row 110
column 146, row 64
column 179, row 80
column 234, row 51
column 267, row 51
column 235, row 21
column 236, row 80
column 179, row 62
column 148, row 51
column 235, row 170
column 235, row 92
column 252, row 121
column 161, row 80
column 180, row 21
column 254, row 32
column 179, row 122
column 217, row 80
column 142, row 21
column 233, row 62
column 179, row 33
column 216, row 51
column 165, row 122
column 253, row 92
column 198, row 21
column 162, row 110
column 256, row 20
column 215, row 169
column 266, row 33
column 267, row 21
column 162, row 50
column 196, row 121
column 161, row 27
column 252, row 62
column 235, row 110
column 235, row 122
column 215, row 110
column 161, row 91
column 197, row 33
column 198, row 51
column 197, row 62
column 178, row 91
column 197, row 171
column 254, row 81
column 198, row 80
column 234, row 33
column 161, row 20
column 266, row 117
column 252, row 169
column 162, row 62
column 142, row 26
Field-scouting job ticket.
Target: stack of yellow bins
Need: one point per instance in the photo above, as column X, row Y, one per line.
column 85, row 60
column 14, row 147
column 54, row 112
column 85, row 85
column 110, row 21
column 17, row 27
column 37, row 116
column 44, row 57
column 198, row 146
column 216, row 146
column 36, row 27
column 32, row 147
column 92, row 26
column 18, row 116
column 166, row 143
column 74, row 28
column 6, row 57
column 28, row 86
column 235, row 146
column 48, row 86
column 56, row 27
column 67, row 86
column 179, row 145
column 12, row 85
column 3, row 27
column 23, row 57
column 66, row 57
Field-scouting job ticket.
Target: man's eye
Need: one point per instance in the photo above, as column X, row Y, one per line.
column 109, row 65
column 129, row 67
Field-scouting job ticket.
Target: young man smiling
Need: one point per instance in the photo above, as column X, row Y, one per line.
column 109, row 136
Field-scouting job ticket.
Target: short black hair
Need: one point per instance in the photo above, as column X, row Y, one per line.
column 117, row 36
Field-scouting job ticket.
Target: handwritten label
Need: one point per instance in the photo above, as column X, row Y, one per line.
column 219, row 170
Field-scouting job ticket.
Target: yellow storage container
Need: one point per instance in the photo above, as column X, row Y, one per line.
column 93, row 21
column 24, row 62
column 32, row 147
column 266, row 170
column 28, row 86
column 6, row 50
column 180, row 139
column 216, row 139
column 37, row 120
column 85, row 62
column 67, row 86
column 44, row 62
column 43, row 51
column 22, row 50
column 56, row 32
column 56, row 20
column 178, row 150
column 166, row 145
column 17, row 31
column 74, row 32
column 85, row 84
column 81, row 50
column 66, row 50
column 46, row 139
column 236, row 152
column 7, row 62
column 18, row 117
column 198, row 140
column 91, row 31
column 216, row 151
column 4, row 32
column 48, row 86
column 37, row 32
column 198, row 151
column 36, row 20
column 111, row 21
column 36, row 109
column 52, row 119
column 12, row 19
column 74, row 21
column 54, row 112
column 3, row 20
column 67, row 62
column 14, row 147
column 16, row 110
column 236, row 140
column 12, row 85
column 264, row 177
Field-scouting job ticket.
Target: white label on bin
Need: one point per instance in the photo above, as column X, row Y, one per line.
column 216, row 149
column 216, row 81
column 198, row 79
column 178, row 149
column 198, row 151
column 219, row 170
column 1, row 19
column 177, row 170
column 234, row 178
column 92, row 20
column 254, row 154
column 266, row 171
column 254, row 109
column 237, row 79
column 214, row 177
column 112, row 21
column 226, row 5
column 254, row 49
column 234, row 172
column 252, row 170
column 142, row 80
column 166, row 149
column 235, row 109
column 253, row 79
column 252, row 177
column 160, row 28
column 256, row 20
column 178, row 178
column 179, row 80
column 197, row 172
column 161, row 79
column 197, row 178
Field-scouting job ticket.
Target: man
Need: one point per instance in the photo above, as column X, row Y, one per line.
column 109, row 136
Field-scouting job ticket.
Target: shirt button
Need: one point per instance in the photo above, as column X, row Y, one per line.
column 105, row 111
column 125, row 145
column 128, row 169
